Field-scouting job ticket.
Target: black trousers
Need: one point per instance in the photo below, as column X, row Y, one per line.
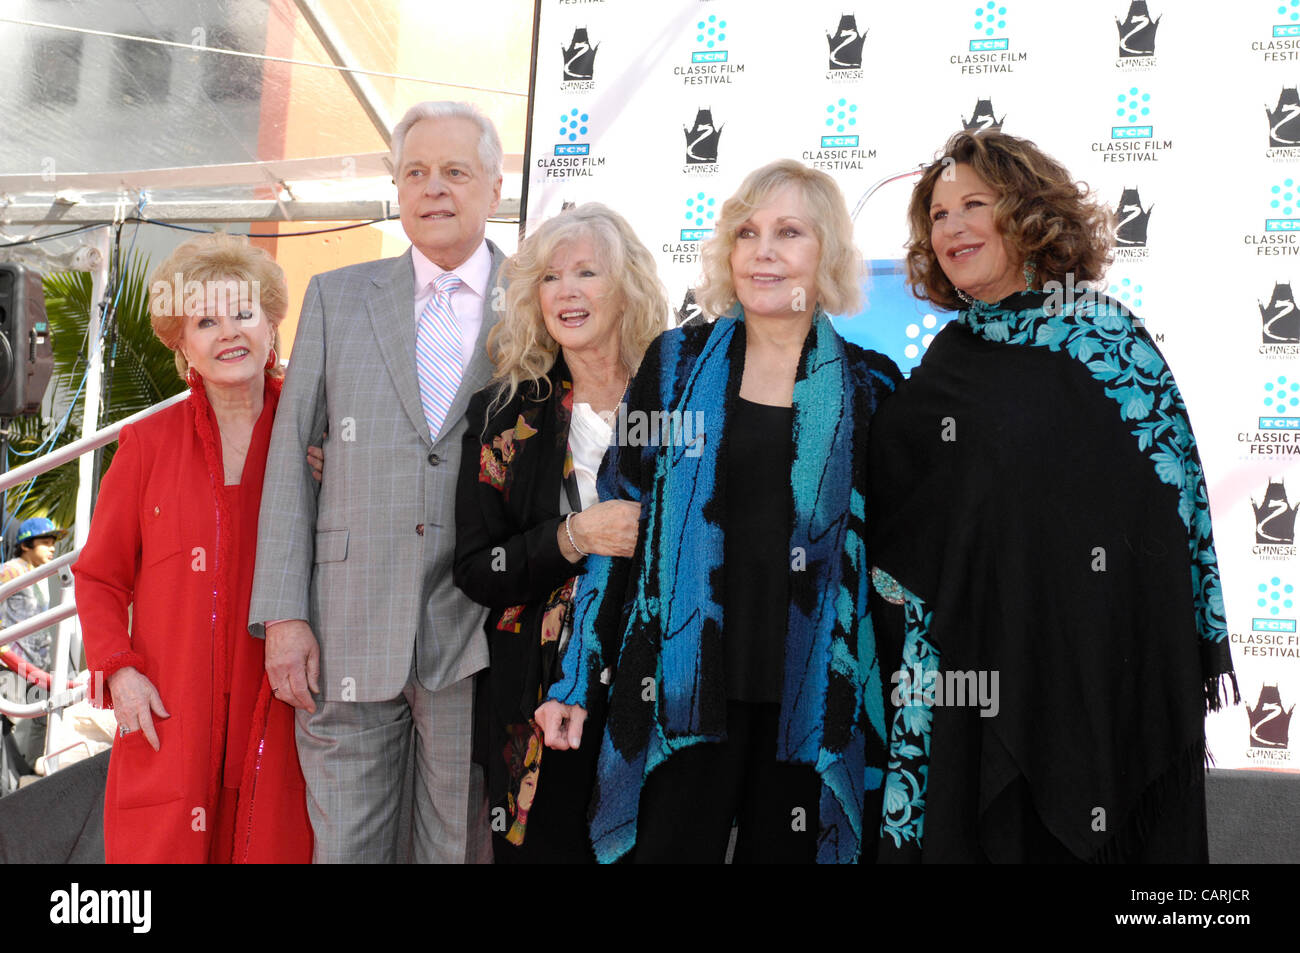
column 688, row 803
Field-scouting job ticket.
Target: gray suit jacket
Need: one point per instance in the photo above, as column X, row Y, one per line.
column 366, row 557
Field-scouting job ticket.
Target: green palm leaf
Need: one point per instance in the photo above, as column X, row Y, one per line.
column 140, row 373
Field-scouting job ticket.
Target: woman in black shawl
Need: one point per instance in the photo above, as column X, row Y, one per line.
column 1047, row 589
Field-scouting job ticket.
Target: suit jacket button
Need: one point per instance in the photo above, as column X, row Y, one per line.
column 419, row 529
column 434, row 459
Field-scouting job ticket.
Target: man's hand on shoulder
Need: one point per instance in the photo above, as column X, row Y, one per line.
column 293, row 662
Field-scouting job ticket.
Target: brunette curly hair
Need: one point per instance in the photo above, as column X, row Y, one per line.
column 1043, row 214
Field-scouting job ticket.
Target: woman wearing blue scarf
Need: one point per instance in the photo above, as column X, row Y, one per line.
column 736, row 644
column 1044, row 557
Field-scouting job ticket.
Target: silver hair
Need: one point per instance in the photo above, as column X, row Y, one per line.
column 489, row 143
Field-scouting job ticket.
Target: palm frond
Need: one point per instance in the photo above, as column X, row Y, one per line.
column 139, row 373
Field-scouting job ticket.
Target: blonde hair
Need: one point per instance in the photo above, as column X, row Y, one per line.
column 839, row 269
column 214, row 258
column 520, row 347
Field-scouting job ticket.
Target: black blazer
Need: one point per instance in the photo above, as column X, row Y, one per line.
column 507, row 551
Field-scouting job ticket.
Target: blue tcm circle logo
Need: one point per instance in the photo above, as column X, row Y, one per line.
column 1134, row 104
column 711, row 32
column 572, row 125
column 989, row 17
column 1128, row 292
column 1275, row 596
column 1281, row 395
column 699, row 211
column 842, row 115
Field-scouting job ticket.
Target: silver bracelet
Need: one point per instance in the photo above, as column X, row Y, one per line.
column 569, row 533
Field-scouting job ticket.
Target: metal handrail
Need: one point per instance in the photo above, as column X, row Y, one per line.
column 67, row 609
column 33, row 576
column 71, row 451
column 12, row 633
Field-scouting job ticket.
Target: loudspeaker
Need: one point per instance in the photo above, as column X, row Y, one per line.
column 26, row 351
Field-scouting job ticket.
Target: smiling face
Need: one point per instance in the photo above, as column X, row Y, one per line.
column 579, row 302
column 774, row 260
column 444, row 194
column 227, row 341
column 966, row 240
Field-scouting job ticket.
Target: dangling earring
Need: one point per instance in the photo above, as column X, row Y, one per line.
column 1030, row 274
column 967, row 299
column 271, row 359
column 192, row 378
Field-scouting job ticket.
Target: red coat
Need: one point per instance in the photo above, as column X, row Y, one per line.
column 170, row 541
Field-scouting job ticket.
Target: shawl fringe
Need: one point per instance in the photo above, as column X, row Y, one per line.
column 1177, row 779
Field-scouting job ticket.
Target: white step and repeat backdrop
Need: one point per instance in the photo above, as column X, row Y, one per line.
column 1183, row 116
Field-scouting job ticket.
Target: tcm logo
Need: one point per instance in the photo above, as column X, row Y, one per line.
column 690, row 312
column 991, row 18
column 1274, row 598
column 1292, row 28
column 579, row 58
column 1280, row 316
column 1270, row 723
column 1275, row 517
column 702, row 139
column 1134, row 107
column 982, row 118
column 573, row 126
column 1137, row 32
column 701, row 210
column 1283, row 200
column 846, row 44
column 841, row 118
column 1284, row 119
column 710, row 33
column 1131, row 220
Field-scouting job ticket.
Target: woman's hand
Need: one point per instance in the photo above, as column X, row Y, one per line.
column 561, row 724
column 135, row 702
column 316, row 460
column 606, row 529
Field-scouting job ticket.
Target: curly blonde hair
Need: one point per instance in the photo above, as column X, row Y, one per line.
column 839, row 270
column 520, row 347
column 215, row 261
column 1043, row 215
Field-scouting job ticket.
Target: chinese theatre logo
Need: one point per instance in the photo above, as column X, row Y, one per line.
column 1137, row 37
column 845, row 53
column 1274, row 522
column 579, row 62
column 982, row 118
column 1284, row 126
column 1131, row 221
column 1270, row 725
column 702, row 139
column 1281, row 322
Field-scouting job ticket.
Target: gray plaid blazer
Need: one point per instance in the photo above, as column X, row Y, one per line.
column 366, row 556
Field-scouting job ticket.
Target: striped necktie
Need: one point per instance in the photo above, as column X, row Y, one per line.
column 438, row 353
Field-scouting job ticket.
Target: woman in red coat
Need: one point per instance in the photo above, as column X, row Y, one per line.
column 205, row 769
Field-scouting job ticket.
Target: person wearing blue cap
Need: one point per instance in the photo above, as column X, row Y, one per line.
column 35, row 546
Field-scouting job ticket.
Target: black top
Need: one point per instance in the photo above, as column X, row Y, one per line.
column 757, row 555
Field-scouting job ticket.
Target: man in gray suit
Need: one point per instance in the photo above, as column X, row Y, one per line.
column 354, row 585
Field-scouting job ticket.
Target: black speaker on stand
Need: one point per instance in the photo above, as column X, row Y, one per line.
column 26, row 356
column 26, row 352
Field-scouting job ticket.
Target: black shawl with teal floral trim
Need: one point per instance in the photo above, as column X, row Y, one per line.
column 1048, row 588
